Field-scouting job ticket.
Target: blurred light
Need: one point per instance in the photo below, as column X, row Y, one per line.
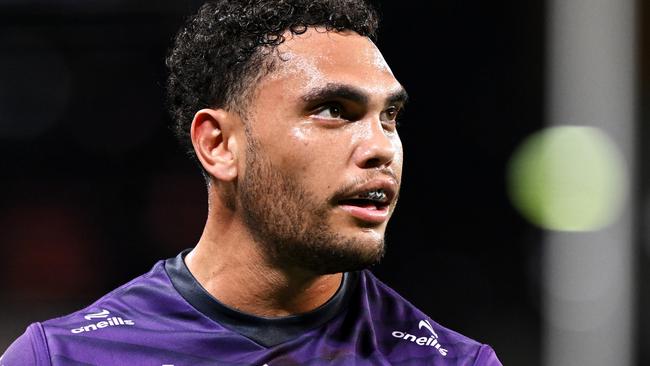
column 588, row 276
column 568, row 178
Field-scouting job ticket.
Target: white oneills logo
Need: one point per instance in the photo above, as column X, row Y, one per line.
column 113, row 321
column 431, row 340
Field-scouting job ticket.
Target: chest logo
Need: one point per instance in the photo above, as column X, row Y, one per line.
column 101, row 315
column 108, row 321
column 430, row 340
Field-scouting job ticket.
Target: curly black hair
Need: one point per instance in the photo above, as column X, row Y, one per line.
column 222, row 51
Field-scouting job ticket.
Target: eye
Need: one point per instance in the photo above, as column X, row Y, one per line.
column 390, row 114
column 329, row 111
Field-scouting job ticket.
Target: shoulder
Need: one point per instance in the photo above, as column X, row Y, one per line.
column 117, row 307
column 406, row 327
column 30, row 349
column 118, row 319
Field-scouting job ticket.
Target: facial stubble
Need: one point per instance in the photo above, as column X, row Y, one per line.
column 291, row 225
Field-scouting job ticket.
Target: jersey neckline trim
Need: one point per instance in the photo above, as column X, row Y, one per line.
column 267, row 332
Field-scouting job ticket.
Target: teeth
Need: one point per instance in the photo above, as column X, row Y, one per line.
column 376, row 195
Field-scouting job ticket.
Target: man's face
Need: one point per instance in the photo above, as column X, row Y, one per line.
column 323, row 160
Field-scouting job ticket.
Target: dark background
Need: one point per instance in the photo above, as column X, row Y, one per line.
column 94, row 189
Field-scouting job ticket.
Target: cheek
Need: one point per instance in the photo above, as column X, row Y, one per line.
column 398, row 161
column 313, row 141
column 399, row 155
column 309, row 152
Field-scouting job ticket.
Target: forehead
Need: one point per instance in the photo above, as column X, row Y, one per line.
column 319, row 57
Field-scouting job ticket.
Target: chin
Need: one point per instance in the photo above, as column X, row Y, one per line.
column 355, row 253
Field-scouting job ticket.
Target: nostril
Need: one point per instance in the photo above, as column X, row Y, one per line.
column 373, row 162
column 376, row 162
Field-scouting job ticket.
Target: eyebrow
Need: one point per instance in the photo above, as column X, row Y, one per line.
column 398, row 97
column 354, row 94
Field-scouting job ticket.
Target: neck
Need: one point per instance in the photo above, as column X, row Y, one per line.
column 230, row 265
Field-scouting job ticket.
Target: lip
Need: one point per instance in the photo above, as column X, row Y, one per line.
column 374, row 215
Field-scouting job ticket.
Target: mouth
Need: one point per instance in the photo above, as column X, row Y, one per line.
column 370, row 203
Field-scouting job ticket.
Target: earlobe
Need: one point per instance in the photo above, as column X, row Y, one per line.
column 215, row 143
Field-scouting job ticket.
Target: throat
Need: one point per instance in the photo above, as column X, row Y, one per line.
column 297, row 297
column 264, row 291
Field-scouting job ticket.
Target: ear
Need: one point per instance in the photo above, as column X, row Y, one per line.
column 215, row 143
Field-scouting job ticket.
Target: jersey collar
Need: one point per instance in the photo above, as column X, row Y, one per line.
column 265, row 331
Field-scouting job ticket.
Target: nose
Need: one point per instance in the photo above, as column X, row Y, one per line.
column 376, row 148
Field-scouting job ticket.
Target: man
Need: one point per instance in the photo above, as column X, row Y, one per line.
column 291, row 111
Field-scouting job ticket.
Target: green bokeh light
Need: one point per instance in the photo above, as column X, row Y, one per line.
column 568, row 178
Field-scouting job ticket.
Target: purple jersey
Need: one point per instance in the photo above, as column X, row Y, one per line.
column 166, row 318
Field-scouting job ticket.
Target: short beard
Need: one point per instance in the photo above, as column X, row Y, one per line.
column 291, row 225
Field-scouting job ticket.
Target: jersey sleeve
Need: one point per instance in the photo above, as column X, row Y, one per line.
column 27, row 350
column 487, row 357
